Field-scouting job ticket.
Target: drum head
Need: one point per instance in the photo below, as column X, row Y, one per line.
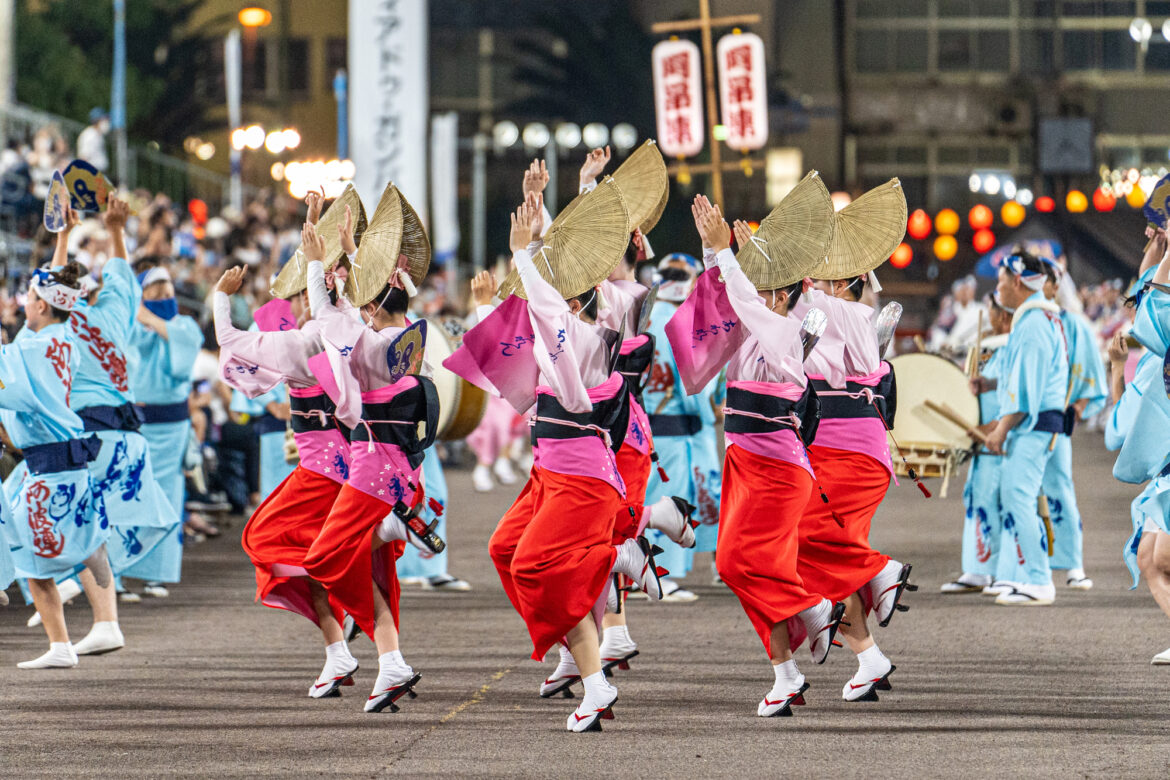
column 923, row 377
column 461, row 404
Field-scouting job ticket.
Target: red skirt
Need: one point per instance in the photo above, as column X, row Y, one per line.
column 835, row 557
column 634, row 468
column 756, row 552
column 553, row 550
column 342, row 557
column 280, row 533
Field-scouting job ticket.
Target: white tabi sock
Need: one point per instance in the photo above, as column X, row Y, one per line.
column 598, row 692
column 872, row 663
column 616, row 642
column 339, row 651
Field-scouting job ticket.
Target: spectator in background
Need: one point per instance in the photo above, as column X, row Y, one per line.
column 91, row 143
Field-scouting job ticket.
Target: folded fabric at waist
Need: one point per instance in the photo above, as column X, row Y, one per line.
column 1055, row 421
column 126, row 417
column 675, row 424
column 164, row 413
column 61, row 456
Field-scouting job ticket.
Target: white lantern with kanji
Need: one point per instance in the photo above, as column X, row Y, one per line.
column 678, row 98
column 743, row 90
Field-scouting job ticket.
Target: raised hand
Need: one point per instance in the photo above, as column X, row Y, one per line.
column 699, row 210
column 229, row 283
column 312, row 243
column 743, row 233
column 483, row 288
column 345, row 232
column 117, row 211
column 535, row 178
column 315, row 201
column 521, row 233
column 595, row 163
column 535, row 204
column 717, row 230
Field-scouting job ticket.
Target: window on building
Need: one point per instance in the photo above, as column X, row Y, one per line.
column 1036, row 51
column 299, row 67
column 255, row 69
column 954, row 50
column 911, row 51
column 872, row 51
column 336, row 58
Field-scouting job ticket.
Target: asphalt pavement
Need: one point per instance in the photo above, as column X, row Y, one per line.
column 212, row 684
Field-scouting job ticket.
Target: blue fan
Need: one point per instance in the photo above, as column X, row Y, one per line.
column 1157, row 208
column 405, row 354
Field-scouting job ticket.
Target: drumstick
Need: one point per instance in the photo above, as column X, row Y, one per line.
column 951, row 415
column 920, row 343
column 1042, row 510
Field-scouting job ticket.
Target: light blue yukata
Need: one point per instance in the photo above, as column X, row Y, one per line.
column 7, row 568
column 274, row 469
column 51, row 524
column 1033, row 380
column 684, row 438
column 122, row 477
column 161, row 383
column 414, row 563
column 1089, row 382
column 982, row 522
column 1145, row 446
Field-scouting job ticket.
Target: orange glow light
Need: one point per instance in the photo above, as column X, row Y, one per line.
column 918, row 226
column 255, row 17
column 945, row 248
column 902, row 256
column 1076, row 202
column 980, row 217
column 947, row 222
column 983, row 241
column 1045, row 205
column 1103, row 200
column 1012, row 214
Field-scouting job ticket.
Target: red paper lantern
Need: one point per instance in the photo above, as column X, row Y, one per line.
column 980, row 217
column 1045, row 205
column 983, row 241
column 1103, row 200
column 902, row 256
column 198, row 211
column 918, row 225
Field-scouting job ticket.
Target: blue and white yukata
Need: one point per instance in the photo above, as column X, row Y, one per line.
column 1034, row 381
column 7, row 568
column 414, row 563
column 161, row 383
column 123, row 480
column 1089, row 382
column 274, row 469
column 1141, row 420
column 983, row 524
column 684, row 438
column 51, row 524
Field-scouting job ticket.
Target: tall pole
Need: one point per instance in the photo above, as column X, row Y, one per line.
column 232, row 74
column 709, row 77
column 479, row 201
column 118, row 94
column 341, row 94
column 7, row 52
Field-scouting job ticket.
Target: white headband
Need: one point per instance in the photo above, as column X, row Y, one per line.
column 57, row 295
column 156, row 274
column 1032, row 280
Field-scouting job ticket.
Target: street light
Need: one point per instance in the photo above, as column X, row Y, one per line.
column 536, row 135
column 505, row 134
column 254, row 16
column 1141, row 31
column 254, row 137
column 568, row 135
column 595, row 134
column 624, row 136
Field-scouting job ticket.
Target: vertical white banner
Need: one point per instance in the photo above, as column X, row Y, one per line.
column 445, row 187
column 389, row 98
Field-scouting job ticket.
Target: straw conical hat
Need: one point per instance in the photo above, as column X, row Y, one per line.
column 291, row 279
column 868, row 231
column 645, row 186
column 394, row 230
column 584, row 248
column 792, row 239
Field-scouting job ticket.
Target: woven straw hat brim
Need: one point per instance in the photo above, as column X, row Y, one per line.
column 868, row 231
column 796, row 237
column 583, row 249
column 394, row 230
column 291, row 279
column 644, row 185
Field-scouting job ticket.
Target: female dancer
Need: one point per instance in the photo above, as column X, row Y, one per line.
column 354, row 554
column 284, row 526
column 766, row 476
column 554, row 548
column 55, row 528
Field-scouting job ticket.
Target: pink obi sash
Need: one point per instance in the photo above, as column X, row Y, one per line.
column 782, row 445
